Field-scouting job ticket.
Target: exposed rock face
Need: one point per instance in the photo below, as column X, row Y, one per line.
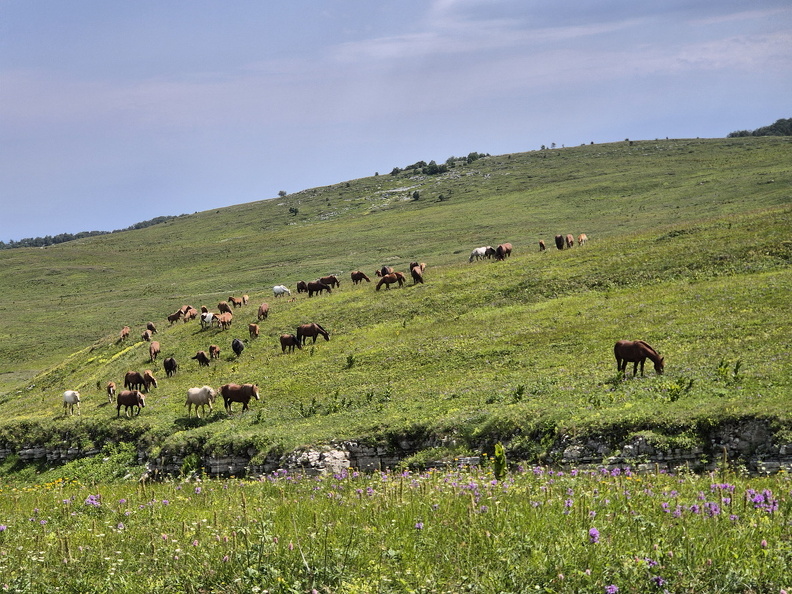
column 749, row 443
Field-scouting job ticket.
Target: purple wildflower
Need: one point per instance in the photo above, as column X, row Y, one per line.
column 658, row 581
column 419, row 525
column 612, row 589
column 594, row 536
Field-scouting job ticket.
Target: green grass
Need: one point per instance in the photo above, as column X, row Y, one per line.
column 453, row 530
column 689, row 250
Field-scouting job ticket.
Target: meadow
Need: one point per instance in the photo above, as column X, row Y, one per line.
column 689, row 250
column 457, row 529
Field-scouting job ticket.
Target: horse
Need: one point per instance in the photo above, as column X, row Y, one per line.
column 207, row 318
column 289, row 341
column 358, row 277
column 70, row 398
column 202, row 358
column 417, row 274
column 237, row 346
column 306, row 330
column 245, row 299
column 389, row 279
column 317, row 287
column 129, row 399
column 420, row 265
column 503, row 251
column 154, row 351
column 146, row 335
column 253, row 330
column 202, row 397
column 149, row 379
column 384, row 270
column 236, row 393
column 559, row 241
column 225, row 319
column 214, row 351
column 174, row 316
column 235, row 301
column 331, row 280
column 170, row 366
column 635, row 352
column 570, row 240
column 582, row 238
column 133, row 380
column 190, row 314
column 542, row 246
column 263, row 311
column 111, row 390
column 280, row 291
column 223, row 307
column 124, row 333
column 302, row 287
column 482, row 252
column 152, row 327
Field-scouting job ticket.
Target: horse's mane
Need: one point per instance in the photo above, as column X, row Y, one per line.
column 648, row 346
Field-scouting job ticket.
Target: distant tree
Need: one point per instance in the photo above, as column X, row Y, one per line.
column 293, row 210
column 282, row 193
column 396, row 171
column 782, row 127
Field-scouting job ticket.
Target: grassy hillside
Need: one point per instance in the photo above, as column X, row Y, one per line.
column 689, row 249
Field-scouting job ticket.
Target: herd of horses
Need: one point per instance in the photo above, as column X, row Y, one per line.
column 136, row 383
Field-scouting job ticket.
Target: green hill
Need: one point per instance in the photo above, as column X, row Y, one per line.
column 689, row 249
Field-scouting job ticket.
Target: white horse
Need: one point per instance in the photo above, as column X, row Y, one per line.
column 280, row 290
column 70, row 398
column 480, row 253
column 199, row 397
column 206, row 319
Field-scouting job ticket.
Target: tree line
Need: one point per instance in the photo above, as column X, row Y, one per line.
column 432, row 168
column 782, row 127
column 64, row 237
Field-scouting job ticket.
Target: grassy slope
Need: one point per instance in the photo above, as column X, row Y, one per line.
column 689, row 250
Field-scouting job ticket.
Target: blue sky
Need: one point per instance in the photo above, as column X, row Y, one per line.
column 115, row 112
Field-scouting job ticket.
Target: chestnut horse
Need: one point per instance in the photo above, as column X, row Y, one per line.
column 389, row 279
column 359, row 276
column 305, row 331
column 635, row 352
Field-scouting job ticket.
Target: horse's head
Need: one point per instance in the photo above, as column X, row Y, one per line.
column 660, row 365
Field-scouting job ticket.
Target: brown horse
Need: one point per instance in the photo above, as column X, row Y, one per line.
column 304, row 331
column 635, row 352
column 384, row 270
column 389, row 279
column 359, row 276
column 236, row 393
column 417, row 273
column 289, row 341
column 503, row 251
column 317, row 287
column 330, row 280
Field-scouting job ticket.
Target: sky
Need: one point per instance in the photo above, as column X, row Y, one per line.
column 113, row 113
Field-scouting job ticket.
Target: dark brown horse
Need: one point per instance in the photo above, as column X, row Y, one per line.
column 384, row 270
column 331, row 280
column 635, row 352
column 359, row 276
column 305, row 331
column 236, row 393
column 317, row 287
column 559, row 241
column 289, row 341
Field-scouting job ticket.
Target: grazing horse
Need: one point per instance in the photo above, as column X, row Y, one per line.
column 207, row 318
column 214, row 351
column 174, row 316
column 417, row 273
column 225, row 319
column 170, row 366
column 482, row 252
column 503, row 251
column 237, row 346
column 202, row 358
column 149, row 379
column 289, row 341
column 304, row 331
column 146, row 335
column 317, row 287
column 154, row 351
column 253, row 330
column 635, row 352
column 302, row 287
column 70, row 398
column 263, row 311
column 331, row 280
column 280, row 291
column 124, row 333
column 133, row 380
column 129, row 399
column 359, row 277
column 389, row 279
column 559, row 241
column 152, row 327
column 223, row 307
column 236, row 393
column 384, row 270
column 542, row 246
column 111, row 390
column 570, row 240
column 190, row 314
column 235, row 301
column 582, row 238
column 202, row 397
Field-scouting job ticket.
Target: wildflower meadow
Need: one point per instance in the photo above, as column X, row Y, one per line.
column 455, row 530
